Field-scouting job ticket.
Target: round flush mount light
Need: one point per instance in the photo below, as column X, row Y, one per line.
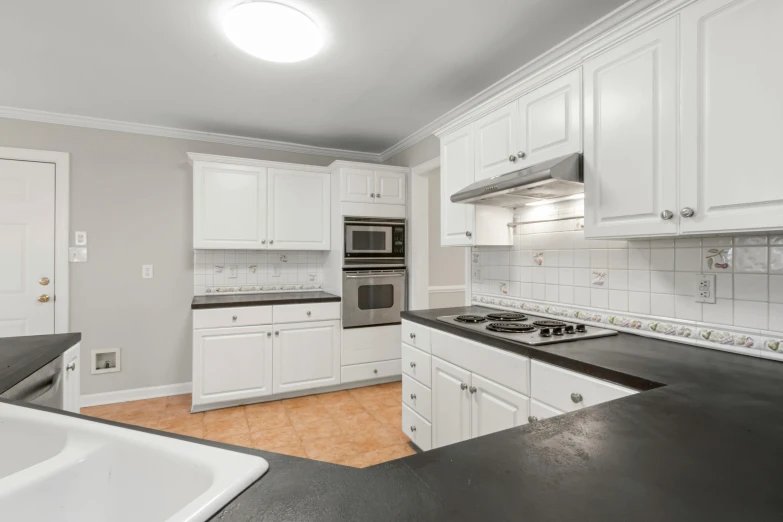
column 273, row 31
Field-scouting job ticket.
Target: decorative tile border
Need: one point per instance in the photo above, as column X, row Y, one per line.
column 262, row 289
column 755, row 345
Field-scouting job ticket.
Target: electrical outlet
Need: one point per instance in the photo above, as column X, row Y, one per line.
column 146, row 271
column 705, row 288
column 80, row 238
column 232, row 271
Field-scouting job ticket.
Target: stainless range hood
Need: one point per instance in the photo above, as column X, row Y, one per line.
column 551, row 179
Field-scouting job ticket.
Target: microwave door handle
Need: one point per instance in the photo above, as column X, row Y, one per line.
column 365, row 276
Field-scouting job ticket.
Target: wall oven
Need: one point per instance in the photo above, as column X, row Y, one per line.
column 374, row 241
column 373, row 297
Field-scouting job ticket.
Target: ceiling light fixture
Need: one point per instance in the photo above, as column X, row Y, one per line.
column 273, row 32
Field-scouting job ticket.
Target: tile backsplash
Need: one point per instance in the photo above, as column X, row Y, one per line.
column 553, row 262
column 253, row 271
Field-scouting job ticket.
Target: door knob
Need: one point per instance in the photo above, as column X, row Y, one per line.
column 472, row 389
column 463, row 386
column 372, row 194
column 43, row 298
column 667, row 214
column 375, row 372
column 687, row 212
column 521, row 155
column 532, row 418
column 413, row 396
column 71, row 367
column 413, row 364
column 413, row 335
column 269, row 334
column 309, row 313
column 234, row 318
column 277, row 333
column 468, row 234
column 43, row 281
column 377, row 195
column 413, row 428
column 263, row 241
column 576, row 397
column 512, row 158
column 271, row 241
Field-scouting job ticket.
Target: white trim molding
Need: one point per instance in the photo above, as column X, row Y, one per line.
column 447, row 289
column 62, row 183
column 212, row 158
column 426, row 167
column 136, row 394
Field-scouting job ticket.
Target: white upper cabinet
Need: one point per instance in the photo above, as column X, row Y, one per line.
column 550, row 121
column 298, row 210
column 496, row 142
column 390, row 187
column 357, row 185
column 732, row 117
column 229, row 206
column 457, row 220
column 630, row 149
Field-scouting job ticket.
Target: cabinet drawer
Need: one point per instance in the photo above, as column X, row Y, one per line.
column 417, row 428
column 225, row 317
column 417, row 364
column 505, row 368
column 416, row 335
column 541, row 411
column 555, row 386
column 417, row 396
column 298, row 313
column 364, row 372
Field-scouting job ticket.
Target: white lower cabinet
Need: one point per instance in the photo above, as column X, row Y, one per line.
column 450, row 403
column 569, row 391
column 495, row 407
column 416, row 428
column 417, row 397
column 306, row 355
column 540, row 411
column 231, row 363
column 71, row 378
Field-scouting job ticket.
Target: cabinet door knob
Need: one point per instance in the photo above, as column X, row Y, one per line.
column 532, row 419
column 263, row 241
column 512, row 158
column 667, row 215
column 372, row 194
column 687, row 212
column 71, row 367
column 309, row 313
column 576, row 397
column 377, row 195
column 463, row 386
column 413, row 364
column 468, row 234
column 277, row 333
column 234, row 318
column 269, row 334
column 521, row 155
column 271, row 241
column 413, row 335
column 413, row 428
column 472, row 389
column 375, row 372
column 413, row 396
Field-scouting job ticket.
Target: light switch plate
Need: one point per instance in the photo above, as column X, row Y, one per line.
column 147, row 272
column 80, row 238
column 705, row 288
column 77, row 254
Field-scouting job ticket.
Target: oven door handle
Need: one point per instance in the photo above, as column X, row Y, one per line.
column 365, row 276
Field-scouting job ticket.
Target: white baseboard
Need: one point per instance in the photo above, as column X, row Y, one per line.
column 446, row 289
column 97, row 399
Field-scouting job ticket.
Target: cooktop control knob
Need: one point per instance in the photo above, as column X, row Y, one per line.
column 557, row 330
column 544, row 332
column 569, row 329
column 581, row 328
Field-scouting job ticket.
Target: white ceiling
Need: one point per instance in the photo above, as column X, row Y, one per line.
column 388, row 68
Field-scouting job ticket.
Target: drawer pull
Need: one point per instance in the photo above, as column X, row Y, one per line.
column 375, row 372
column 234, row 318
column 413, row 364
column 463, row 386
column 413, row 396
column 277, row 333
column 576, row 397
column 413, row 428
column 309, row 313
column 269, row 334
column 532, row 418
column 413, row 335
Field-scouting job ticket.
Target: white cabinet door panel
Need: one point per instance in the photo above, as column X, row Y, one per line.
column 450, row 403
column 550, row 120
column 416, row 428
column 357, row 185
column 231, row 363
column 390, row 187
column 630, row 149
column 732, row 119
column 456, row 172
column 71, row 379
column 570, row 391
column 306, row 355
column 299, row 217
column 229, row 206
column 540, row 411
column 495, row 407
column 496, row 142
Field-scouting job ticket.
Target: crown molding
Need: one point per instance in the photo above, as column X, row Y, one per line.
column 338, row 164
column 183, row 134
column 250, row 162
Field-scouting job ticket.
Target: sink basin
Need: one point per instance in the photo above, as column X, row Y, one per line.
column 56, row 467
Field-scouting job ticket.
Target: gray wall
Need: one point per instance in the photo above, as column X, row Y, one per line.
column 133, row 196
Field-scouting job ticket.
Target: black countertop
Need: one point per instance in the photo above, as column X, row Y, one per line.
column 20, row 357
column 230, row 301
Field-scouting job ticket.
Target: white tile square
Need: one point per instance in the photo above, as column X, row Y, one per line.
column 776, row 317
column 776, row 240
column 581, row 277
column 515, row 273
column 599, row 298
column 566, row 258
column 686, row 243
column 639, row 302
column 551, row 258
column 723, row 241
column 751, row 287
column 662, row 259
column 582, row 296
column 750, row 314
column 513, row 289
column 685, row 283
column 618, row 258
column 526, row 273
column 639, row 280
column 776, row 260
column 724, row 286
column 686, row 308
column 515, row 258
column 662, row 305
column 662, row 282
column 687, row 259
column 750, row 259
column 551, row 275
column 566, row 276
column 638, row 243
column 582, row 258
column 526, row 257
column 721, row 312
column 526, row 290
column 539, row 274
column 566, row 294
column 750, row 240
column 776, row 289
column 599, row 258
column 539, row 291
column 662, row 243
column 618, row 300
column 599, row 278
column 552, row 293
column 499, row 272
column 638, row 259
column 618, row 279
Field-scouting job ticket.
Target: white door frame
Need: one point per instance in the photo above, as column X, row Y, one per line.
column 62, row 173
column 418, row 224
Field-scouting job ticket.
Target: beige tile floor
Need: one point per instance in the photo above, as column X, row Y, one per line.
column 359, row 427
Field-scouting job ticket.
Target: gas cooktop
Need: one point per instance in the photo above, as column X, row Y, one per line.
column 526, row 329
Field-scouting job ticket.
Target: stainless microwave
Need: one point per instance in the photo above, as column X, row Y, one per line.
column 369, row 239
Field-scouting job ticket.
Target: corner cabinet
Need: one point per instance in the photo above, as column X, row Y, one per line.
column 264, row 206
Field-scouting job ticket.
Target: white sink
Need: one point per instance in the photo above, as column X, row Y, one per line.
column 55, row 467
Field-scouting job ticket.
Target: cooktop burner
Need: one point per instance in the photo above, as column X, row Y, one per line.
column 548, row 324
column 470, row 318
column 510, row 327
column 507, row 316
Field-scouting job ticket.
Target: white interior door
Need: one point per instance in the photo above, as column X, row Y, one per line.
column 450, row 403
column 27, row 213
column 298, row 210
column 495, row 407
column 732, row 116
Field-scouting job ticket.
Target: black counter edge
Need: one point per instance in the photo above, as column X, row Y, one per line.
column 207, row 306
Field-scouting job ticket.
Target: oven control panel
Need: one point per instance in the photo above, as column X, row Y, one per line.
column 398, row 241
